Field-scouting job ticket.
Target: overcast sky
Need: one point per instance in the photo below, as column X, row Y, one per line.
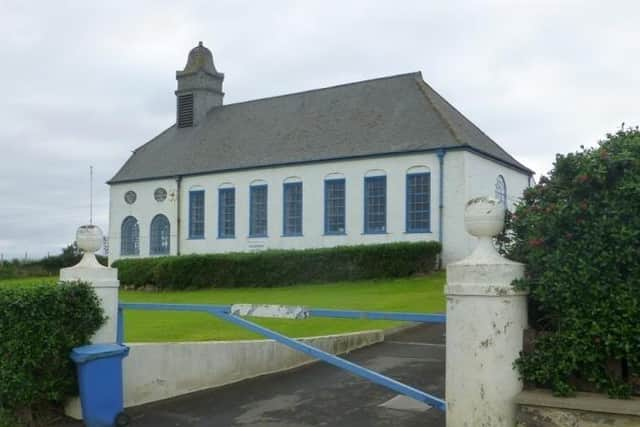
column 84, row 83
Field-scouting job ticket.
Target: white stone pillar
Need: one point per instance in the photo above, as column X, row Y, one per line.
column 104, row 280
column 486, row 318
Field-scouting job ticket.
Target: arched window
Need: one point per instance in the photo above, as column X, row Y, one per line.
column 130, row 237
column 335, row 203
column 160, row 232
column 418, row 196
column 375, row 202
column 501, row 190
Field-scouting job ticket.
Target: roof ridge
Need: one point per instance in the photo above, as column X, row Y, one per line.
column 421, row 83
column 416, row 73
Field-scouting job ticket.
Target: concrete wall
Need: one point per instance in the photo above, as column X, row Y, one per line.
column 465, row 174
column 159, row 371
column 539, row 408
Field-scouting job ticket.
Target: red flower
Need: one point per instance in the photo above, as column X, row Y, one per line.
column 536, row 242
column 582, row 178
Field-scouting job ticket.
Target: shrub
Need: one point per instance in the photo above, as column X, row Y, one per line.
column 280, row 268
column 39, row 326
column 578, row 231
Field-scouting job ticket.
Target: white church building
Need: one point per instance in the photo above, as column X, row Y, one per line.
column 375, row 161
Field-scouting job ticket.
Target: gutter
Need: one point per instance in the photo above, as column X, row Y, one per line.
column 440, row 153
column 178, row 220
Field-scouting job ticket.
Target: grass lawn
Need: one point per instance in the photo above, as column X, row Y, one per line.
column 419, row 294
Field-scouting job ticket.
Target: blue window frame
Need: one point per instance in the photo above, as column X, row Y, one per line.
column 227, row 213
column 292, row 209
column 375, row 205
column 418, row 202
column 334, row 206
column 258, row 211
column 159, row 236
column 130, row 237
column 196, row 214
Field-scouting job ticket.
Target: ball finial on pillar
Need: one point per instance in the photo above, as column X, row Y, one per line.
column 89, row 239
column 484, row 219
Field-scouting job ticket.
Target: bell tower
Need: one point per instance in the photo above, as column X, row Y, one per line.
column 199, row 88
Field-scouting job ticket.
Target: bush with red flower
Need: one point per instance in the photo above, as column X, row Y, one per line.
column 578, row 232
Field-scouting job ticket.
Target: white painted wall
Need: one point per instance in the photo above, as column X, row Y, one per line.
column 481, row 175
column 466, row 175
column 144, row 209
column 312, row 176
column 453, row 236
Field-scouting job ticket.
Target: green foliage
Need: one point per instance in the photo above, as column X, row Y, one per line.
column 578, row 231
column 39, row 326
column 49, row 265
column 280, row 268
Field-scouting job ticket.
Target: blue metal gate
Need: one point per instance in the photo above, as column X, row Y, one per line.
column 233, row 313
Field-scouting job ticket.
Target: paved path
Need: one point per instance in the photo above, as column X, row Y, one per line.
column 319, row 394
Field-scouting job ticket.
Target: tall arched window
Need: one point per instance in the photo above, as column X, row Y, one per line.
column 418, row 211
column 130, row 237
column 501, row 190
column 159, row 236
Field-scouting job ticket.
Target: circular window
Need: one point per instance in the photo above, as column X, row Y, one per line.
column 160, row 194
column 130, row 197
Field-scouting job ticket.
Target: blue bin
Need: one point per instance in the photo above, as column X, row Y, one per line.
column 100, row 380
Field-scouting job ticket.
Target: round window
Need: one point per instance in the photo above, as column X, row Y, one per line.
column 160, row 194
column 130, row 197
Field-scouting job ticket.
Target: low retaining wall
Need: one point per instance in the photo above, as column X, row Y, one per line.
column 539, row 408
column 157, row 371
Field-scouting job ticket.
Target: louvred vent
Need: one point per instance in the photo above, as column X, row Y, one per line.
column 185, row 110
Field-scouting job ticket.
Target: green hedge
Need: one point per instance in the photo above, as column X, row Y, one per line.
column 280, row 268
column 39, row 326
column 578, row 231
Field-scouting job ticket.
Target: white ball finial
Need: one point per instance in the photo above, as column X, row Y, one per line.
column 484, row 217
column 89, row 238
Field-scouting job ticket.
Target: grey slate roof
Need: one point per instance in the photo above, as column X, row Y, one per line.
column 388, row 115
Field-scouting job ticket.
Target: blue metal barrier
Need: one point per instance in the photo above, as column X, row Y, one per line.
column 224, row 312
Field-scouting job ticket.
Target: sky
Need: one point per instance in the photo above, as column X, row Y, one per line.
column 84, row 83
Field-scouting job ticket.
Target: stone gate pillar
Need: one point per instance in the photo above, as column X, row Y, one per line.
column 486, row 318
column 104, row 280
